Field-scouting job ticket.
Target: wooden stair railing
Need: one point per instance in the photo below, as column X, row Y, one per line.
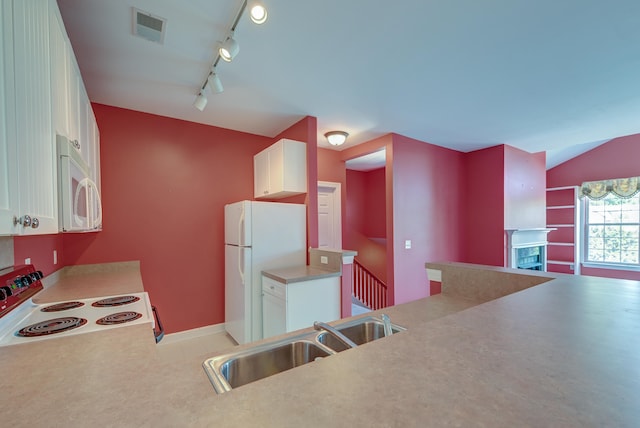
column 368, row 288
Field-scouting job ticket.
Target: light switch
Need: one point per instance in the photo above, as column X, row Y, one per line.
column 407, row 244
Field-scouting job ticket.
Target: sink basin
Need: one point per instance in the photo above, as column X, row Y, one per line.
column 360, row 331
column 247, row 365
column 240, row 368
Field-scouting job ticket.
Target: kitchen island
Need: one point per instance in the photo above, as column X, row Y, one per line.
column 560, row 353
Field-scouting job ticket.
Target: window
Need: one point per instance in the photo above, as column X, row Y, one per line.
column 612, row 230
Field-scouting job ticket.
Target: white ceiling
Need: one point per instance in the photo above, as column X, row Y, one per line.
column 544, row 75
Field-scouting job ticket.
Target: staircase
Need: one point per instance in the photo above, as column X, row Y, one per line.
column 367, row 288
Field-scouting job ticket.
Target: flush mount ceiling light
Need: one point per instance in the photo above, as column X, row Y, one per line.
column 336, row 138
column 227, row 51
column 257, row 12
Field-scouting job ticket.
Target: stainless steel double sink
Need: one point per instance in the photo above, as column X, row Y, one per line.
column 235, row 369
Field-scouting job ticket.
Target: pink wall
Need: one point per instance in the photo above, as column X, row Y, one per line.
column 370, row 251
column 371, row 254
column 164, row 186
column 617, row 158
column 484, row 206
column 426, row 210
column 525, row 178
column 306, row 130
column 375, row 202
column 505, row 189
column 39, row 249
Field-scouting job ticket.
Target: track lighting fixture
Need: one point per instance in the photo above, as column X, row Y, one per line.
column 214, row 83
column 201, row 102
column 228, row 50
column 336, row 138
column 257, row 12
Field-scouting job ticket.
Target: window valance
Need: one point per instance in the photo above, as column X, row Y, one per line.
column 623, row 187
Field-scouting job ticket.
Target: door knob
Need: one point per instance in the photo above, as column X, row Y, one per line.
column 25, row 221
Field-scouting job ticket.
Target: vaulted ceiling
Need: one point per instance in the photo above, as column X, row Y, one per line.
column 544, row 75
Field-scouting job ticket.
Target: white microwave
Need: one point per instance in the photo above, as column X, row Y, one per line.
column 79, row 204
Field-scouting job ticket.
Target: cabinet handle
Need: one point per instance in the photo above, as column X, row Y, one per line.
column 35, row 223
column 25, row 221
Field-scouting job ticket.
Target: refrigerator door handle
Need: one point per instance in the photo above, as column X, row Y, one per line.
column 241, row 263
column 241, row 229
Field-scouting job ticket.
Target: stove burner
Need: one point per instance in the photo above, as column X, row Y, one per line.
column 56, row 325
column 62, row 306
column 119, row 318
column 115, row 301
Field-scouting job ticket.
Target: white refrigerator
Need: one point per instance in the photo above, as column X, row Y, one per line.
column 258, row 236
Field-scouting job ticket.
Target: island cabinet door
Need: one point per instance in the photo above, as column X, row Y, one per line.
column 274, row 313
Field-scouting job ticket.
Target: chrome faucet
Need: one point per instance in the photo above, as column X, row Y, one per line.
column 388, row 331
column 335, row 333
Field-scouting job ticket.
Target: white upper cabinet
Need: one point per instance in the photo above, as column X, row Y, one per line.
column 60, row 76
column 34, row 136
column 8, row 155
column 280, row 170
column 41, row 95
column 67, row 87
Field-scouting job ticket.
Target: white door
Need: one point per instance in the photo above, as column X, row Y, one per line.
column 329, row 215
column 237, row 293
column 237, row 223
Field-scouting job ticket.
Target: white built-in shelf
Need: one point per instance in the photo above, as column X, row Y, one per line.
column 560, row 207
column 561, row 244
column 558, row 262
column 560, row 225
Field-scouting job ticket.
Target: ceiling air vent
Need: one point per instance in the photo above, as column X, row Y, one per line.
column 148, row 26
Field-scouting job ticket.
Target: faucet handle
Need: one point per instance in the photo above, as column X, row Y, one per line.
column 387, row 325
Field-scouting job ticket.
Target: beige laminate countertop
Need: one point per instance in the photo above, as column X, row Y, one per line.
column 562, row 353
column 299, row 274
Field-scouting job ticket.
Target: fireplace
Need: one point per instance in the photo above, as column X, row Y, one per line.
column 527, row 248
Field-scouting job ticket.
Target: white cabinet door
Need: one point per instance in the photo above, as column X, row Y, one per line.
column 75, row 87
column 261, row 174
column 280, row 170
column 274, row 313
column 313, row 300
column 290, row 307
column 34, row 136
column 59, row 75
column 8, row 171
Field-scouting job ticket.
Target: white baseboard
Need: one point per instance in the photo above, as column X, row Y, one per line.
column 192, row 334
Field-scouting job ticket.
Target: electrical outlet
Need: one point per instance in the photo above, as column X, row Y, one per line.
column 27, row 261
column 324, row 260
column 407, row 244
column 55, row 257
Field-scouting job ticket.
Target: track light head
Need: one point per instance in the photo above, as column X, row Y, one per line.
column 336, row 138
column 200, row 102
column 257, row 12
column 229, row 49
column 214, row 83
